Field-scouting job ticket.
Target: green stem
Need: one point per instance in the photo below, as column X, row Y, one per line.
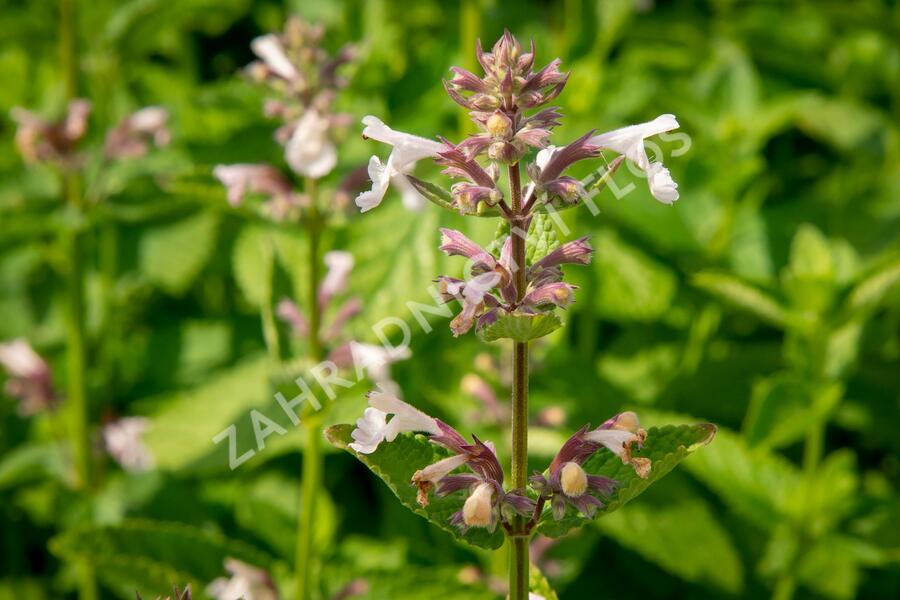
column 519, row 561
column 311, row 477
column 67, row 53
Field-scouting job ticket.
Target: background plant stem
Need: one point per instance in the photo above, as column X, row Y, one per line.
column 76, row 395
column 311, row 477
column 519, row 564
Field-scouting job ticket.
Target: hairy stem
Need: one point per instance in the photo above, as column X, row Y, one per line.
column 311, row 475
column 519, row 561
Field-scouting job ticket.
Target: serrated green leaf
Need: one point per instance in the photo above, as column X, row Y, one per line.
column 740, row 294
column 683, row 537
column 520, row 327
column 395, row 463
column 665, row 447
column 154, row 554
column 541, row 239
column 173, row 255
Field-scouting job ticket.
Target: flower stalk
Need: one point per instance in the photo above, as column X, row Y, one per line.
column 519, row 561
column 311, row 475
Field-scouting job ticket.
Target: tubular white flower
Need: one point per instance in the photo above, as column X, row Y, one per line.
column 406, row 418
column 369, row 431
column 407, row 150
column 618, row 435
column 309, row 151
column 629, row 141
column 269, row 49
column 478, row 511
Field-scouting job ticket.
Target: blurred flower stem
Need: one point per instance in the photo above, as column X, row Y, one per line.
column 75, row 344
column 518, row 567
column 311, row 476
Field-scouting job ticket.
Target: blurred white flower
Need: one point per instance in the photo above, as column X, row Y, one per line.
column 124, row 440
column 269, row 49
column 129, row 139
column 340, row 264
column 29, row 376
column 246, row 582
column 309, row 151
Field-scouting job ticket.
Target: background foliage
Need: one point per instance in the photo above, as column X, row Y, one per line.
column 766, row 301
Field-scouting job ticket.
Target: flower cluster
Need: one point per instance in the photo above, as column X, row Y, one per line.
column 306, row 80
column 376, row 360
column 491, row 289
column 29, row 377
column 487, row 501
column 568, row 483
column 499, row 102
column 56, row 142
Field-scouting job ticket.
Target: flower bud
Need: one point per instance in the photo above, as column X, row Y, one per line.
column 478, row 511
column 499, row 125
column 573, row 480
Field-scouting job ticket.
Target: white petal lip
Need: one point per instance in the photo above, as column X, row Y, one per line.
column 407, row 149
column 339, row 264
column 437, row 471
column 269, row 49
column 613, row 439
column 629, row 141
column 369, row 431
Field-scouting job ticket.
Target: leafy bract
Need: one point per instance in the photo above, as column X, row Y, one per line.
column 395, row 462
column 665, row 446
column 520, row 327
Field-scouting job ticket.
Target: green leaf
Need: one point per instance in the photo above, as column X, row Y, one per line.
column 148, row 556
column 809, row 279
column 761, row 486
column 252, row 262
column 173, row 255
column 395, row 463
column 742, row 295
column 538, row 584
column 541, row 239
column 520, row 327
column 182, row 430
column 780, row 412
column 631, row 285
column 683, row 537
column 872, row 289
column 665, row 446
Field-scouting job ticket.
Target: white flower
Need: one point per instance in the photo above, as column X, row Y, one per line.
column 20, row 360
column 373, row 427
column 629, row 141
column 339, row 265
column 240, row 179
column 425, row 479
column 618, row 435
column 124, row 442
column 309, row 151
column 478, row 511
column 377, row 359
column 408, row 149
column 246, row 583
column 270, row 50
